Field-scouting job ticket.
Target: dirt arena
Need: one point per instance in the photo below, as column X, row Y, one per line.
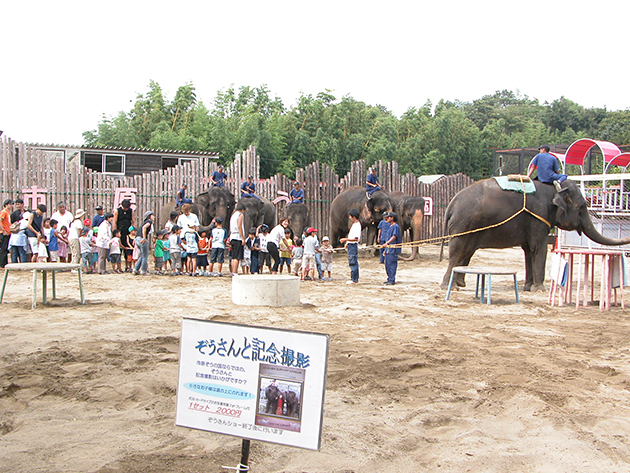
column 415, row 384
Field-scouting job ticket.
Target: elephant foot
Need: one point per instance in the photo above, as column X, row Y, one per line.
column 530, row 287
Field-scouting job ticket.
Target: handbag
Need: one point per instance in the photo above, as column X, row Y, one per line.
column 15, row 227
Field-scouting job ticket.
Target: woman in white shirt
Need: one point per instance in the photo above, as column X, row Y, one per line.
column 103, row 241
column 273, row 243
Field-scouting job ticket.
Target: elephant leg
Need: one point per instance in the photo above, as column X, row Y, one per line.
column 529, row 274
column 539, row 260
column 460, row 251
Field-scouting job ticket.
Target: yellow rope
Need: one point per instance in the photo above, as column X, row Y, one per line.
column 411, row 244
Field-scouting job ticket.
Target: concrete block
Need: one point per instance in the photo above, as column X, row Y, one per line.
column 273, row 290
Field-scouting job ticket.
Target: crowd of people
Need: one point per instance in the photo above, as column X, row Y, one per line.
column 182, row 247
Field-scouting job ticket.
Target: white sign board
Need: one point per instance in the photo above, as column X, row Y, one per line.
column 428, row 205
column 252, row 382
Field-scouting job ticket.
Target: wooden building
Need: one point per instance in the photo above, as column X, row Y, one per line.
column 120, row 161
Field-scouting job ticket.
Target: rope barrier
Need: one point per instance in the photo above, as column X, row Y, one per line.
column 411, row 244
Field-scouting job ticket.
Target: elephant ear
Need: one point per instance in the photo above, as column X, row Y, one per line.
column 366, row 213
column 560, row 202
column 566, row 215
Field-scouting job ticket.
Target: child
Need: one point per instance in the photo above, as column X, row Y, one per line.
column 128, row 245
column 285, row 250
column 202, row 254
column 309, row 263
column 264, row 256
column 46, row 232
column 298, row 253
column 175, row 248
column 63, row 244
column 135, row 254
column 253, row 243
column 50, row 230
column 167, row 251
column 85, row 243
column 246, row 262
column 192, row 248
column 158, row 252
column 114, row 252
column 327, row 257
column 94, row 249
column 42, row 253
column 217, row 255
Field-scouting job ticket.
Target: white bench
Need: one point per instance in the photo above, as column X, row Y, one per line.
column 44, row 268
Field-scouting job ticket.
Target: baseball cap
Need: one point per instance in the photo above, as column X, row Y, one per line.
column 99, row 207
column 325, row 239
column 311, row 230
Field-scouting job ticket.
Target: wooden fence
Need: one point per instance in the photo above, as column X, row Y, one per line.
column 23, row 167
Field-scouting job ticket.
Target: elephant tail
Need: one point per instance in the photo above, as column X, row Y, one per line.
column 447, row 217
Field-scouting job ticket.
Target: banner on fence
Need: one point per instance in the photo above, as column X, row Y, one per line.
column 252, row 382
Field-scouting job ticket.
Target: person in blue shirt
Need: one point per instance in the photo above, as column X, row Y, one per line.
column 296, row 194
column 218, row 177
column 391, row 254
column 248, row 188
column 180, row 198
column 547, row 166
column 99, row 217
column 383, row 226
column 371, row 183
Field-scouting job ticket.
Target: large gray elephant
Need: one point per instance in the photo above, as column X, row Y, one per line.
column 272, row 393
column 258, row 212
column 292, row 402
column 370, row 212
column 484, row 203
column 215, row 202
column 410, row 210
column 298, row 217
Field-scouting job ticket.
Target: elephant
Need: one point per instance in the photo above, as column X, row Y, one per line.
column 272, row 393
column 484, row 203
column 292, row 402
column 410, row 210
column 216, row 202
column 370, row 212
column 258, row 212
column 298, row 217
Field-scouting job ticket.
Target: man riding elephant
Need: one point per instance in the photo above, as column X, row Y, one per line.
column 483, row 215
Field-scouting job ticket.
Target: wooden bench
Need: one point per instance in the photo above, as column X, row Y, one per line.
column 481, row 277
column 44, row 268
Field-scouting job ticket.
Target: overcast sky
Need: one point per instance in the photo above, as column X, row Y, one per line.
column 66, row 63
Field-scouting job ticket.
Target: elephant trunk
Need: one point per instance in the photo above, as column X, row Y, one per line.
column 416, row 224
column 590, row 231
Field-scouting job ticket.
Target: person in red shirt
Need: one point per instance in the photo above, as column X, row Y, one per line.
column 5, row 224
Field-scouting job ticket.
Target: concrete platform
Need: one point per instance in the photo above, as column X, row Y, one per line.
column 275, row 290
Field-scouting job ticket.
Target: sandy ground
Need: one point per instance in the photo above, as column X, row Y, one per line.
column 414, row 383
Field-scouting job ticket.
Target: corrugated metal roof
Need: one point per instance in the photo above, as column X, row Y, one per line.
column 430, row 178
column 128, row 149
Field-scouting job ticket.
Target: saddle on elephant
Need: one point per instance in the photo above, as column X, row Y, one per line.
column 516, row 183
